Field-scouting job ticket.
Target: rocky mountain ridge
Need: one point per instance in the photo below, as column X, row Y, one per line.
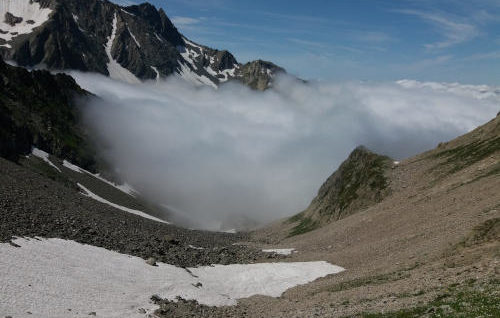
column 359, row 182
column 40, row 109
column 132, row 43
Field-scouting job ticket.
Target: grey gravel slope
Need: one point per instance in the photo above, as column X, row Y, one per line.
column 34, row 205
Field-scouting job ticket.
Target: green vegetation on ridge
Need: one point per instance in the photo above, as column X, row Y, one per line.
column 467, row 300
column 465, row 155
column 306, row 224
column 359, row 182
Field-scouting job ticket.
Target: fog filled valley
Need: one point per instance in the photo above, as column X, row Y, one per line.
column 211, row 155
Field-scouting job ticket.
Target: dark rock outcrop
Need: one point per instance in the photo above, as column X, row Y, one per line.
column 259, row 74
column 11, row 19
column 40, row 109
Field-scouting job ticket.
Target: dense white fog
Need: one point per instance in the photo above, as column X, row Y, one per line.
column 213, row 156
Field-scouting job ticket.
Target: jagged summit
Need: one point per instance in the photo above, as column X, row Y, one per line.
column 259, row 74
column 129, row 43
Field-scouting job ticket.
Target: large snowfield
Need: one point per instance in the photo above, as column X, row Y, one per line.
column 31, row 13
column 60, row 278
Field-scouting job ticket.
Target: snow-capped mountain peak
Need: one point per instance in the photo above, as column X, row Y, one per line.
column 128, row 43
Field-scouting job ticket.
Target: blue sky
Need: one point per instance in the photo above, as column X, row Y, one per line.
column 372, row 40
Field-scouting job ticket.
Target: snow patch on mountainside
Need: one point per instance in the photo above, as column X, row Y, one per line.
column 188, row 75
column 126, row 12
column 158, row 37
column 192, row 44
column 211, row 71
column 73, row 167
column 116, row 71
column 228, row 73
column 133, row 37
column 94, row 196
column 191, row 54
column 44, row 156
column 157, row 72
column 188, row 55
column 122, row 187
column 279, row 251
column 55, row 275
column 30, row 12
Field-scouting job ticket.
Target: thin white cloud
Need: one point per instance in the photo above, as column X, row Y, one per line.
column 314, row 46
column 485, row 17
column 348, row 49
column 308, row 43
column 296, row 18
column 425, row 64
column 184, row 21
column 454, row 32
column 495, row 55
column 124, row 2
column 203, row 4
column 374, row 37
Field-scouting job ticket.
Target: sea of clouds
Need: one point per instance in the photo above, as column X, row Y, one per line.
column 214, row 156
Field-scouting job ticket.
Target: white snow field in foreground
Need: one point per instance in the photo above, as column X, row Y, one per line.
column 47, row 277
column 94, row 196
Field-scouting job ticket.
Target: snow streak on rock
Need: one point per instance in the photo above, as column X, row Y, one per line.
column 116, row 71
column 44, row 156
column 193, row 57
column 188, row 75
column 154, row 68
column 133, row 37
column 94, row 196
column 123, row 187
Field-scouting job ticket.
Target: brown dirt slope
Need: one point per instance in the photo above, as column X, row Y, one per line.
column 430, row 248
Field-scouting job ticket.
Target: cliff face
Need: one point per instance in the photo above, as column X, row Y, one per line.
column 40, row 109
